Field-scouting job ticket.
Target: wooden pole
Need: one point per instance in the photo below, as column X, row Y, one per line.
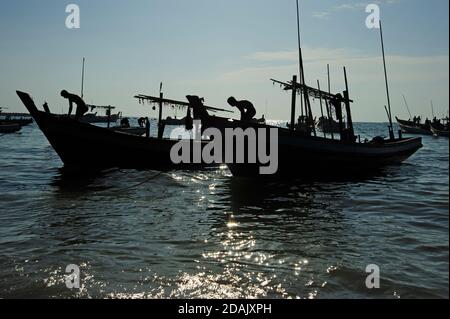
column 294, row 95
column 347, row 107
column 329, row 112
column 432, row 109
column 108, row 110
column 391, row 129
column 300, row 60
column 160, row 123
column 82, row 80
column 321, row 108
column 407, row 107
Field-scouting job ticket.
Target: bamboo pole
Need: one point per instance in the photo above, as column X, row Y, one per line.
column 391, row 129
column 321, row 108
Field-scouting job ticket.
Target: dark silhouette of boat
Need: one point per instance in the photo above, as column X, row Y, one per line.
column 300, row 154
column 89, row 147
column 6, row 128
column 15, row 118
column 439, row 129
column 414, row 128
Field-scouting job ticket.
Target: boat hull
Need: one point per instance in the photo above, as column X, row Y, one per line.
column 311, row 158
column 302, row 155
column 408, row 127
column 9, row 128
column 85, row 146
column 438, row 132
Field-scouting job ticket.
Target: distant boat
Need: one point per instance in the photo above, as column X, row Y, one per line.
column 439, row 129
column 94, row 118
column 15, row 118
column 9, row 128
column 414, row 128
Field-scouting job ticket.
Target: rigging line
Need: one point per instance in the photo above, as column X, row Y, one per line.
column 134, row 186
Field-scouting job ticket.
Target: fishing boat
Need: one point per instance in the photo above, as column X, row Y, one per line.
column 93, row 118
column 439, row 129
column 6, row 128
column 414, row 128
column 89, row 147
column 301, row 154
column 15, row 118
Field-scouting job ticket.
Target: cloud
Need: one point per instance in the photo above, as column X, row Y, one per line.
column 310, row 55
column 324, row 15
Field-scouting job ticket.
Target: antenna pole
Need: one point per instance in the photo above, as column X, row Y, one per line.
column 391, row 129
column 82, row 80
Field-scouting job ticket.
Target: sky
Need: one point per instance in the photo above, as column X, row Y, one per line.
column 222, row 48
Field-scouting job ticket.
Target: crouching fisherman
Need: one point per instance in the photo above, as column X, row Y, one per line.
column 73, row 98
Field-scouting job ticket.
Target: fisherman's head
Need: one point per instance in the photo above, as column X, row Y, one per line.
column 232, row 101
column 64, row 93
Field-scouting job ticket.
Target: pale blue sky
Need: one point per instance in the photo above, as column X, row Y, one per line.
column 218, row 48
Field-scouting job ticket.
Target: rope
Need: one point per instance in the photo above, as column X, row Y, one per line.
column 134, row 186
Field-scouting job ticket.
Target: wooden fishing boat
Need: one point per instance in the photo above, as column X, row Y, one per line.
column 414, row 128
column 93, row 118
column 21, row 119
column 439, row 130
column 6, row 128
column 300, row 154
column 17, row 121
column 85, row 146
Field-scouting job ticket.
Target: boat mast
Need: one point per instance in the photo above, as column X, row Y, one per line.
column 300, row 60
column 82, row 79
column 391, row 129
column 407, row 107
column 329, row 112
column 321, row 109
column 308, row 112
column 432, row 109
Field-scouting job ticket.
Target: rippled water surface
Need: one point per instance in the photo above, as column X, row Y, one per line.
column 206, row 234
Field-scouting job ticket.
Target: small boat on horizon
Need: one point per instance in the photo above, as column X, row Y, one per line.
column 412, row 127
column 6, row 128
column 440, row 129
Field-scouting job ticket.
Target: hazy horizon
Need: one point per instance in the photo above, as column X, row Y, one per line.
column 216, row 49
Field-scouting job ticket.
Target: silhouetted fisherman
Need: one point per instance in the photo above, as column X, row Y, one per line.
column 125, row 123
column 73, row 98
column 245, row 107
